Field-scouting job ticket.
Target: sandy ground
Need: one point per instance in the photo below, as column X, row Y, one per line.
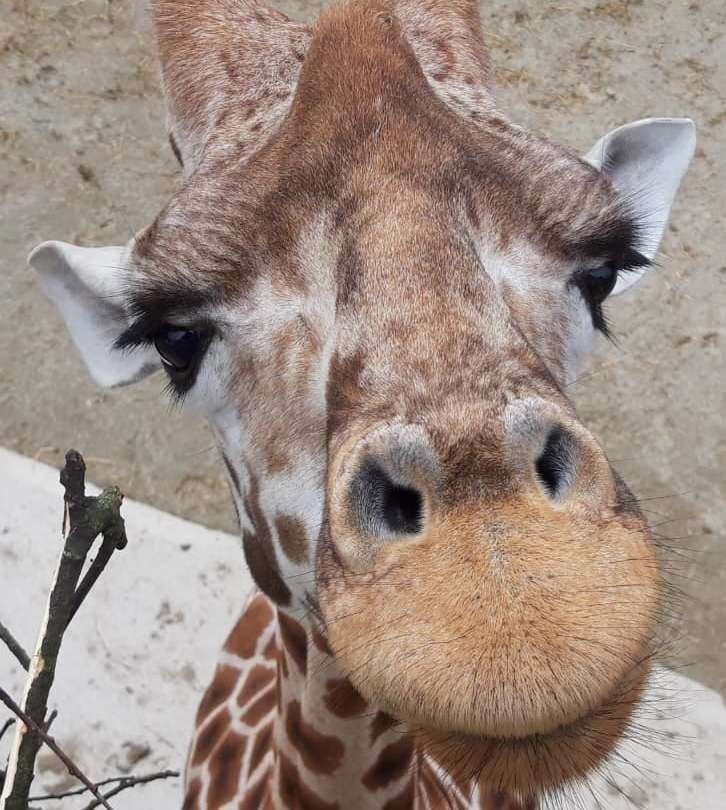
column 130, row 707
column 83, row 156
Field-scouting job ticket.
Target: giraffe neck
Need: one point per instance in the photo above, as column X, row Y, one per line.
column 280, row 727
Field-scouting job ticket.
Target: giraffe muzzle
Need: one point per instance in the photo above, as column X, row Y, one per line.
column 504, row 612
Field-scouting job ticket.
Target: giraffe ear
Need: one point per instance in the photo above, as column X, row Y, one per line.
column 87, row 285
column 646, row 161
column 449, row 45
column 228, row 67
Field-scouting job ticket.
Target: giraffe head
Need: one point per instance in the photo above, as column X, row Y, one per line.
column 377, row 289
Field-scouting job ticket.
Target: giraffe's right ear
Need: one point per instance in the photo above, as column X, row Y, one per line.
column 87, row 286
column 230, row 69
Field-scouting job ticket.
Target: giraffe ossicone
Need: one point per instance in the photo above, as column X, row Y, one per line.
column 377, row 289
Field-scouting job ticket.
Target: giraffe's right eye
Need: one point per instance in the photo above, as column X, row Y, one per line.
column 177, row 347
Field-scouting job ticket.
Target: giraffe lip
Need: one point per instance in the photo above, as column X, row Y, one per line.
column 582, row 722
column 543, row 736
column 542, row 761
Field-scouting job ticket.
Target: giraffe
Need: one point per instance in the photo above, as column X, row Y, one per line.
column 377, row 288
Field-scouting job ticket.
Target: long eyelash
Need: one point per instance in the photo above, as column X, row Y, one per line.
column 600, row 322
column 175, row 395
column 140, row 333
column 632, row 262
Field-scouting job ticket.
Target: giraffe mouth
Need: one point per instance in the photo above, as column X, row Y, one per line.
column 533, row 764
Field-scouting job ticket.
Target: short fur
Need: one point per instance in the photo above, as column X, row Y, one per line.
column 458, row 592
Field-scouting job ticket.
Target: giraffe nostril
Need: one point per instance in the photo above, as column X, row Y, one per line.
column 383, row 506
column 555, row 464
column 402, row 508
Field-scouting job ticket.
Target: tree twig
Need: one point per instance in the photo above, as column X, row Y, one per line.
column 113, row 538
column 84, row 518
column 51, row 717
column 15, row 647
column 127, row 781
column 73, row 769
column 6, row 725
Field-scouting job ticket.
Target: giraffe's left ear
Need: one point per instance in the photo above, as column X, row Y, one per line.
column 646, row 161
column 87, row 286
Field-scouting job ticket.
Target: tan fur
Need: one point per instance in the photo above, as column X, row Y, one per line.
column 512, row 621
column 352, row 198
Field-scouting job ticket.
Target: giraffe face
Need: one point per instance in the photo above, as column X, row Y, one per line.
column 377, row 289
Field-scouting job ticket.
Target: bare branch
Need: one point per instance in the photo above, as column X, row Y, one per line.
column 84, row 519
column 114, row 537
column 15, row 647
column 131, row 782
column 73, row 769
column 6, row 725
column 126, row 781
column 51, row 717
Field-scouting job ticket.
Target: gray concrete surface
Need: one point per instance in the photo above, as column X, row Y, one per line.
column 83, row 156
column 130, row 707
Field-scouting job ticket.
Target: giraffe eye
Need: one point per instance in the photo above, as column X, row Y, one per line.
column 598, row 282
column 177, row 347
column 181, row 351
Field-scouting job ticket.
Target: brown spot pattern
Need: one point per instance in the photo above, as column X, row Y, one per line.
column 293, row 538
column 320, row 753
column 321, row 642
column 270, row 652
column 295, row 793
column 242, row 641
column 404, row 800
column 257, row 794
column 295, row 639
column 392, row 764
column 260, row 550
column 507, row 175
column 276, row 459
column 260, row 707
column 278, row 690
column 262, row 744
column 343, row 392
column 224, row 770
column 209, row 735
column 257, row 679
column 282, row 664
column 191, row 797
column 343, row 700
column 197, row 89
column 222, row 685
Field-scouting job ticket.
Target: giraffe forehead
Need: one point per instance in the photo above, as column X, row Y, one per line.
column 369, row 124
column 301, row 245
column 271, row 214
